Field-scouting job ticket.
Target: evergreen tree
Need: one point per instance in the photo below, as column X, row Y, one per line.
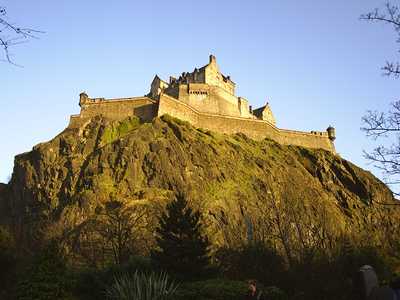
column 182, row 249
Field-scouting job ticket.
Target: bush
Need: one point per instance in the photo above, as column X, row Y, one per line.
column 119, row 129
column 258, row 261
column 46, row 278
column 7, row 257
column 92, row 283
column 274, row 293
column 213, row 289
column 331, row 277
column 7, row 262
column 142, row 286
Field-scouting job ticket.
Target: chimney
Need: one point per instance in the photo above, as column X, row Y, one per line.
column 213, row 60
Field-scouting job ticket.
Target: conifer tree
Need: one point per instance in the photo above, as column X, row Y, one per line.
column 182, row 250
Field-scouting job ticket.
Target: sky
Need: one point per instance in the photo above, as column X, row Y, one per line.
column 315, row 62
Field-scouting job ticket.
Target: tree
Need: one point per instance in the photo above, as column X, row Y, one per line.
column 380, row 124
column 7, row 259
column 12, row 35
column 120, row 225
column 114, row 233
column 182, row 249
column 46, row 277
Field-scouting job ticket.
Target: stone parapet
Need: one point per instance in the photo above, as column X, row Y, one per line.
column 256, row 129
column 115, row 109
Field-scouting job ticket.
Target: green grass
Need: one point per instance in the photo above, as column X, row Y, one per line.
column 119, row 129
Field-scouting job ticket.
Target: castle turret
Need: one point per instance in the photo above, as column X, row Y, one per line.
column 83, row 98
column 331, row 133
column 213, row 60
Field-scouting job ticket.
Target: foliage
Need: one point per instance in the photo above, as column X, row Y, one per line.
column 119, row 225
column 142, row 286
column 274, row 293
column 254, row 260
column 7, row 256
column 213, row 289
column 331, row 277
column 182, row 250
column 92, row 283
column 47, row 277
column 322, row 275
column 112, row 234
column 7, row 261
column 119, row 129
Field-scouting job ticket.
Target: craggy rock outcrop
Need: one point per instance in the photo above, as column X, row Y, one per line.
column 67, row 177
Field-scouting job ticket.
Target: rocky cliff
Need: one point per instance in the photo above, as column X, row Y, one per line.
column 233, row 180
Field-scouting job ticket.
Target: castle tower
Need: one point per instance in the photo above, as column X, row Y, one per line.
column 265, row 113
column 83, row 99
column 331, row 133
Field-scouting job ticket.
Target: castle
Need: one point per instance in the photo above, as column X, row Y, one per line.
column 205, row 98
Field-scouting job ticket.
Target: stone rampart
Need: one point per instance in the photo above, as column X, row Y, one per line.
column 146, row 109
column 115, row 109
column 256, row 129
column 210, row 99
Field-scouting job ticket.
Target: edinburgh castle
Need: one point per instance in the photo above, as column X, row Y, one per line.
column 205, row 98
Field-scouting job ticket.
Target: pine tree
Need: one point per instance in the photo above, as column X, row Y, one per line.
column 182, row 251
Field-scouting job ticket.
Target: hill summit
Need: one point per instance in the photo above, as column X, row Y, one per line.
column 240, row 185
column 205, row 98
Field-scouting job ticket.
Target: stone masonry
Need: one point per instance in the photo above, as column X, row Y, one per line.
column 205, row 98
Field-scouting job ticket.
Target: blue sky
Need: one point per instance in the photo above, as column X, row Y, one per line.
column 315, row 61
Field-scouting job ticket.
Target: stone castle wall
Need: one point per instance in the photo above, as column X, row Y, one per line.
column 117, row 109
column 146, row 109
column 256, row 129
column 210, row 99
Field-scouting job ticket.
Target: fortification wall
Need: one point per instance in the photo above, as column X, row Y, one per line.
column 115, row 109
column 210, row 99
column 256, row 129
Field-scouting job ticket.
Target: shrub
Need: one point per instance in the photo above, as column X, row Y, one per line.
column 46, row 278
column 92, row 283
column 274, row 293
column 7, row 262
column 119, row 129
column 257, row 260
column 142, row 286
column 213, row 289
column 331, row 277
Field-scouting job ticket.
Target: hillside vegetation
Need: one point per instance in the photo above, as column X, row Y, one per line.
column 300, row 202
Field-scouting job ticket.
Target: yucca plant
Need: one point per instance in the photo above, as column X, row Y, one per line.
column 142, row 286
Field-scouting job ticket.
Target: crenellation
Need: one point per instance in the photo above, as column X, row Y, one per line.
column 205, row 98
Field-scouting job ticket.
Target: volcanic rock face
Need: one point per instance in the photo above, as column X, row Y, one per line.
column 229, row 178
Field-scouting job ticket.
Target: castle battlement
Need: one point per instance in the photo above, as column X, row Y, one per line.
column 205, row 98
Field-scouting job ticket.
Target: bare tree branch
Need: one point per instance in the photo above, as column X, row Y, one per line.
column 378, row 125
column 392, row 69
column 12, row 35
column 391, row 16
column 385, row 157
